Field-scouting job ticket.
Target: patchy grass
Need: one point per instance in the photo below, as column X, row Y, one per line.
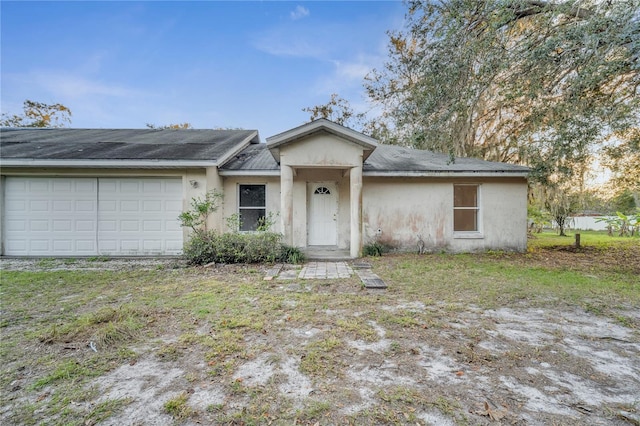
column 178, row 408
column 598, row 239
column 326, row 352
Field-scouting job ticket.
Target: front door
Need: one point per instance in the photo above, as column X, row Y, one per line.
column 323, row 214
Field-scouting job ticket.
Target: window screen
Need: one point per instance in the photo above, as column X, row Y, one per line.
column 465, row 208
column 252, row 206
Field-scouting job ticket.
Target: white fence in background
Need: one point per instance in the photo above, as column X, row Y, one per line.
column 587, row 223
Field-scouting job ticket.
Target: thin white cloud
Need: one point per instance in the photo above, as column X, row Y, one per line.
column 299, row 12
column 352, row 70
column 280, row 43
column 67, row 85
column 348, row 75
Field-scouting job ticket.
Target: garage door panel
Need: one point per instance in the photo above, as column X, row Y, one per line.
column 86, row 246
column 135, row 216
column 85, row 226
column 173, row 207
column 39, row 225
column 40, row 214
column 16, row 225
column 38, row 186
column 42, row 246
column 17, row 206
column 152, row 206
column 173, row 246
column 62, row 225
column 62, row 205
column 17, row 247
column 129, row 246
column 152, row 225
column 38, row 206
column 88, row 216
column 152, row 186
column 172, row 226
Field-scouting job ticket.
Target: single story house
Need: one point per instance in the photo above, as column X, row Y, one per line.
column 87, row 192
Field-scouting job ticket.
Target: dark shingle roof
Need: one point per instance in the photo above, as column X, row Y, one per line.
column 120, row 144
column 253, row 157
column 385, row 158
column 391, row 158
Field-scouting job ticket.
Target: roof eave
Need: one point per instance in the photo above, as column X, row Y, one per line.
column 116, row 164
column 253, row 138
column 448, row 173
column 249, row 172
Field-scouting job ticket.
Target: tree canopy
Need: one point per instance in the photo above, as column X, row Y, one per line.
column 534, row 82
column 38, row 114
column 177, row 126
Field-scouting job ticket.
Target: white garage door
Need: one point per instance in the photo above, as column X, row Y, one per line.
column 92, row 216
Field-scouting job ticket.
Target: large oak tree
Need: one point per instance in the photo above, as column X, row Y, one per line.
column 541, row 83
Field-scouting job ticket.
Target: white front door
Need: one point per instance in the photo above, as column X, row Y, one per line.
column 323, row 214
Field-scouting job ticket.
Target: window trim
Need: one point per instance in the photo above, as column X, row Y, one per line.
column 478, row 233
column 238, row 207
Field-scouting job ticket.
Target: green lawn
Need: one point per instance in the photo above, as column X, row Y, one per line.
column 587, row 238
column 50, row 316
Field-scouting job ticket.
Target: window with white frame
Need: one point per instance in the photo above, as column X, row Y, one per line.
column 465, row 208
column 251, row 206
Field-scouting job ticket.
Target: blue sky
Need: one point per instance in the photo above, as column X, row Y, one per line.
column 253, row 65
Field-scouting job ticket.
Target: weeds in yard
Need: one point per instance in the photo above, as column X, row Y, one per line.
column 445, row 405
column 178, row 408
column 318, row 358
column 104, row 410
column 106, row 327
column 68, row 370
column 358, row 329
column 314, row 410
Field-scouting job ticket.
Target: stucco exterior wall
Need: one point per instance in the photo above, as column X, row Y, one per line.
column 397, row 210
column 321, row 150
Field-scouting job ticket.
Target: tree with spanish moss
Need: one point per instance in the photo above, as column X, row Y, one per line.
column 542, row 83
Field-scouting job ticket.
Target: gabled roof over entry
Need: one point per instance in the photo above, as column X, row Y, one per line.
column 321, row 125
column 121, row 147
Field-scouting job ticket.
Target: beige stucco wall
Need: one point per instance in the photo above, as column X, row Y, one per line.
column 397, row 210
column 321, row 150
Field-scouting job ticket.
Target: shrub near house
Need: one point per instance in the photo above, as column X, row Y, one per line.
column 206, row 246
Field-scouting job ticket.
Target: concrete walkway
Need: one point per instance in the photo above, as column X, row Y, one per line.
column 327, row 271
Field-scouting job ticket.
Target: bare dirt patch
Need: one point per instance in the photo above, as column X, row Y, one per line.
column 239, row 350
column 529, row 367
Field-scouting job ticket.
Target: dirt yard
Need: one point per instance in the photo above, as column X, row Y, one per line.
column 239, row 350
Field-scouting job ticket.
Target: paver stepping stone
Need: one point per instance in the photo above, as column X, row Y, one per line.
column 369, row 279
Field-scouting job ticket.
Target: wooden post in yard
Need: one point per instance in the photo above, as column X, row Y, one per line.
column 577, row 241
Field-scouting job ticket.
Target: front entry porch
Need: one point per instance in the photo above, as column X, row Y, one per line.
column 326, row 253
column 321, row 210
column 321, row 167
